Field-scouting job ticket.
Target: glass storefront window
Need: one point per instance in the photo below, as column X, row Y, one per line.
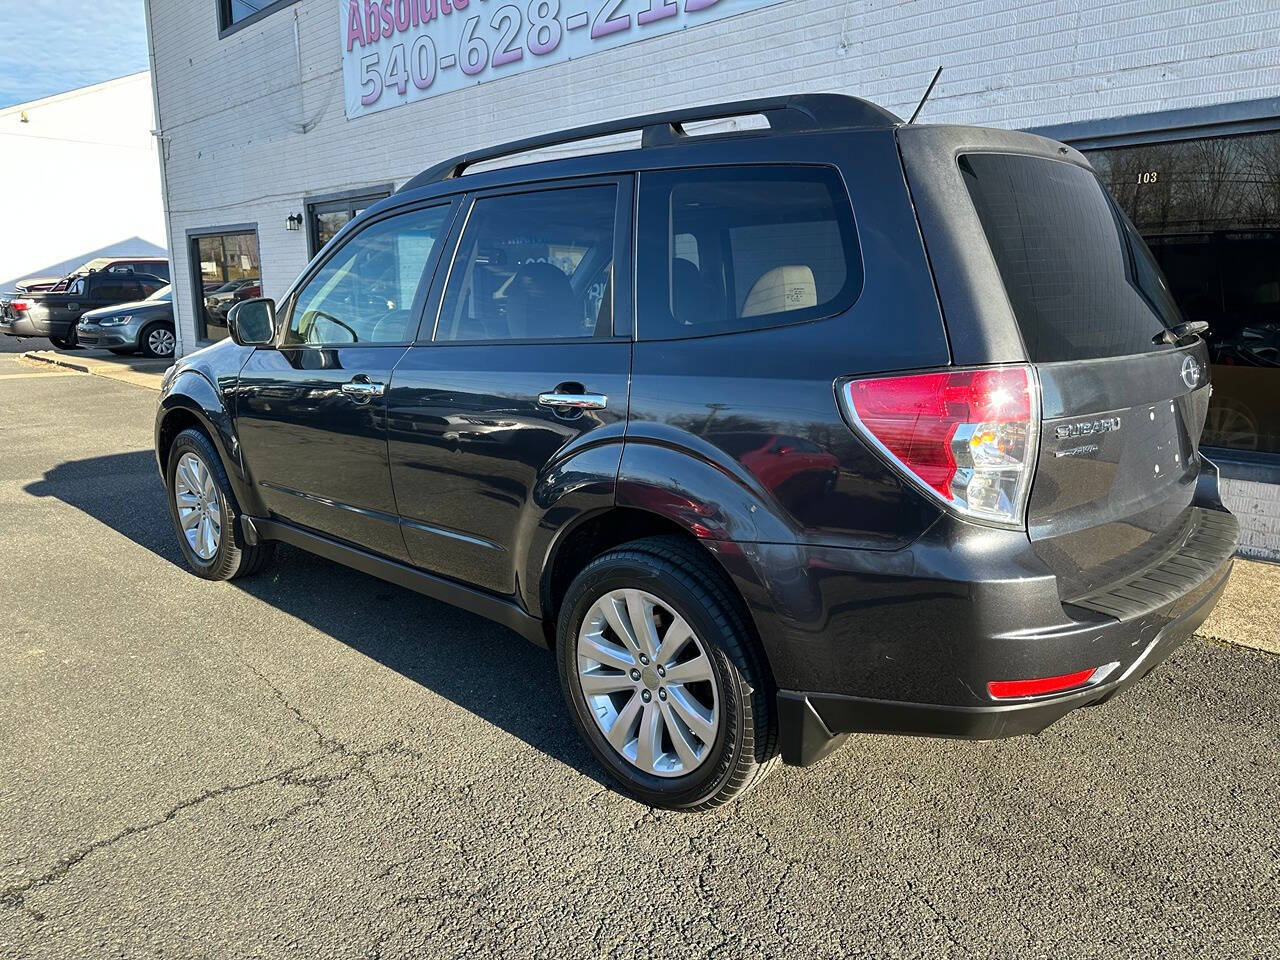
column 230, row 271
column 326, row 218
column 1210, row 211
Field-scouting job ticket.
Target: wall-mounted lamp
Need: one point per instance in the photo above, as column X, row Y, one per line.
column 294, row 222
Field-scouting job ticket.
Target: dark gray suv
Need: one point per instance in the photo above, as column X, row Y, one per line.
column 840, row 425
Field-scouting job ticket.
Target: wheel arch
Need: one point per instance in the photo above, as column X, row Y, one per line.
column 592, row 534
column 192, row 402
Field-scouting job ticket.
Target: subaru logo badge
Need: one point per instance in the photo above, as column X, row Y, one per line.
column 1190, row 372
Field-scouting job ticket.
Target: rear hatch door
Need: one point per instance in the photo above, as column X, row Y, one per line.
column 1063, row 280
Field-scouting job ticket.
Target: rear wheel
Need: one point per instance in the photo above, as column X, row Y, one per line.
column 664, row 677
column 205, row 514
column 157, row 340
column 65, row 343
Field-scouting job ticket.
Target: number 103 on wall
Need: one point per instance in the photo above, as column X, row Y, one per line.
column 401, row 51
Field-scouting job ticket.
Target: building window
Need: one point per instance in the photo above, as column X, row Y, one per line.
column 327, row 215
column 227, row 270
column 1209, row 208
column 233, row 14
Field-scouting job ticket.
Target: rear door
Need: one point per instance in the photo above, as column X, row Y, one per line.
column 523, row 364
column 311, row 412
column 1123, row 406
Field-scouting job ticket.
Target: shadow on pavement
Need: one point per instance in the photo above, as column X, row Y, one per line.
column 482, row 667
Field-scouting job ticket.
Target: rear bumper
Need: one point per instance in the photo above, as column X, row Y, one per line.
column 813, row 724
column 28, row 327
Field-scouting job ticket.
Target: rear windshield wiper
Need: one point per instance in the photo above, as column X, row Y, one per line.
column 1181, row 331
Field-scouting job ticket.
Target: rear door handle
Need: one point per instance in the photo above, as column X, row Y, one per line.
column 574, row 401
column 361, row 387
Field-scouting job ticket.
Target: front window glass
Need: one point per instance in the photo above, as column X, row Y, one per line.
column 533, row 266
column 365, row 292
column 165, row 293
column 1209, row 209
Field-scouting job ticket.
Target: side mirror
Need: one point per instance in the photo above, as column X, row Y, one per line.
column 252, row 323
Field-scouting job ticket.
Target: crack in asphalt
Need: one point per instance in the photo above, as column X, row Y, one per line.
column 15, row 895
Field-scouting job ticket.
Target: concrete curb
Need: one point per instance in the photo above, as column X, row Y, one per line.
column 119, row 370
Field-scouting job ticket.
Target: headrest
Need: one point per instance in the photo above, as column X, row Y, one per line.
column 782, row 289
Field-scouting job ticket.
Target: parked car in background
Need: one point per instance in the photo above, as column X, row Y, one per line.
column 150, row 266
column 54, row 313
column 773, row 436
column 139, row 326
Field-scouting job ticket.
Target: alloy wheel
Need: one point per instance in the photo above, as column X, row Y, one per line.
column 161, row 342
column 649, row 683
column 199, row 506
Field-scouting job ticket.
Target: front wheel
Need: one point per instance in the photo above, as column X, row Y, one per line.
column 205, row 513
column 664, row 676
column 157, row 341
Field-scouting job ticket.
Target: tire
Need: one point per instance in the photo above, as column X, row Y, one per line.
column 162, row 347
column 739, row 694
column 65, row 343
column 231, row 557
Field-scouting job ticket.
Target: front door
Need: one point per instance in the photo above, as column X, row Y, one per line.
column 312, row 411
column 525, row 371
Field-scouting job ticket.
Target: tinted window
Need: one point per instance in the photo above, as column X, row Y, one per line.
column 1081, row 281
column 735, row 249
column 113, row 291
column 364, row 293
column 533, row 266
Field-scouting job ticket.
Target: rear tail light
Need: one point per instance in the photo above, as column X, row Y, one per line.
column 967, row 437
column 20, row 305
column 1014, row 689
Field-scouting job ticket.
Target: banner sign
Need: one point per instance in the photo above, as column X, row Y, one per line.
column 402, row 51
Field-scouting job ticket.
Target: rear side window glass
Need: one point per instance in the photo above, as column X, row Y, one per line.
column 533, row 266
column 742, row 248
column 1081, row 281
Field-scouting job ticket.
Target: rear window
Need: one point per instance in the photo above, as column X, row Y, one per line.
column 1081, row 281
column 740, row 248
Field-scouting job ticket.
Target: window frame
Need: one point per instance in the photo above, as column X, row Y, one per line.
column 226, row 26
column 1176, row 126
column 623, row 267
column 425, row 284
column 855, row 258
column 194, row 236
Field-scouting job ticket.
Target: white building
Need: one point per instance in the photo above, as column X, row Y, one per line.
column 79, row 178
column 308, row 109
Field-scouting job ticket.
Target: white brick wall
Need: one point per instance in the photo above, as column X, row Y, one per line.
column 232, row 108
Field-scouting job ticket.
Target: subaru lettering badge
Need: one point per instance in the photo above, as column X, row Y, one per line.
column 1190, row 372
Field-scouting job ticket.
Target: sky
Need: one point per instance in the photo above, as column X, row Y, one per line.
column 51, row 46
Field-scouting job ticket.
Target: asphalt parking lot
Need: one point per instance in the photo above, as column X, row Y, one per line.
column 314, row 763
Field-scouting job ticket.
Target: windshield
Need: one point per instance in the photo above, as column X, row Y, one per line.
column 164, row 293
column 1081, row 281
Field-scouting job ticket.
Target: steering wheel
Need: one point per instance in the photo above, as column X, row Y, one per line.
column 320, row 314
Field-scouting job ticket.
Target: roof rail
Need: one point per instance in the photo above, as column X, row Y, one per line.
column 797, row 113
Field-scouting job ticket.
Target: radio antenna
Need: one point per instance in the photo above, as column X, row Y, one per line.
column 928, row 90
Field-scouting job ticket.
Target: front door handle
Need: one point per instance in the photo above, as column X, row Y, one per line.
column 574, row 401
column 362, row 388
